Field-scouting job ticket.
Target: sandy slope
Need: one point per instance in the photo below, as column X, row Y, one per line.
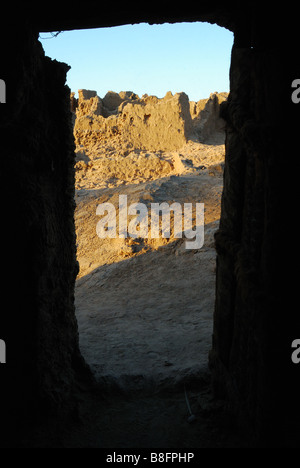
column 145, row 306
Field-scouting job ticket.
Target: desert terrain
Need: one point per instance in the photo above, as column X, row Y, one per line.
column 144, row 306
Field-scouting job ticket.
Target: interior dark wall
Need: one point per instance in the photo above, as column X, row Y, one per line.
column 38, row 236
column 254, row 321
column 255, row 317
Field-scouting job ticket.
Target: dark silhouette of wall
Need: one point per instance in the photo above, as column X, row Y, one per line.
column 255, row 320
column 37, row 321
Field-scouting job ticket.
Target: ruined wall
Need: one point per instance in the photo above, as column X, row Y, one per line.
column 38, row 240
column 147, row 123
column 254, row 321
column 206, row 118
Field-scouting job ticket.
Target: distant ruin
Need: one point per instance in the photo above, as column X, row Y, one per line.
column 148, row 122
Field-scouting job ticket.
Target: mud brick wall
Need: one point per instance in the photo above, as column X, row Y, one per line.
column 254, row 317
column 39, row 265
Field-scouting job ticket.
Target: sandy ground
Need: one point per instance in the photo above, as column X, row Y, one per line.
column 145, row 306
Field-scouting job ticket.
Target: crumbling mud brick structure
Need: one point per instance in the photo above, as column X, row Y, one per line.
column 256, row 310
column 148, row 122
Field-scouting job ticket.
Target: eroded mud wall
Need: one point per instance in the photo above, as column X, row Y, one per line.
column 255, row 320
column 37, row 236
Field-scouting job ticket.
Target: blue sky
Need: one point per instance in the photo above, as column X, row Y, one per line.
column 152, row 59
